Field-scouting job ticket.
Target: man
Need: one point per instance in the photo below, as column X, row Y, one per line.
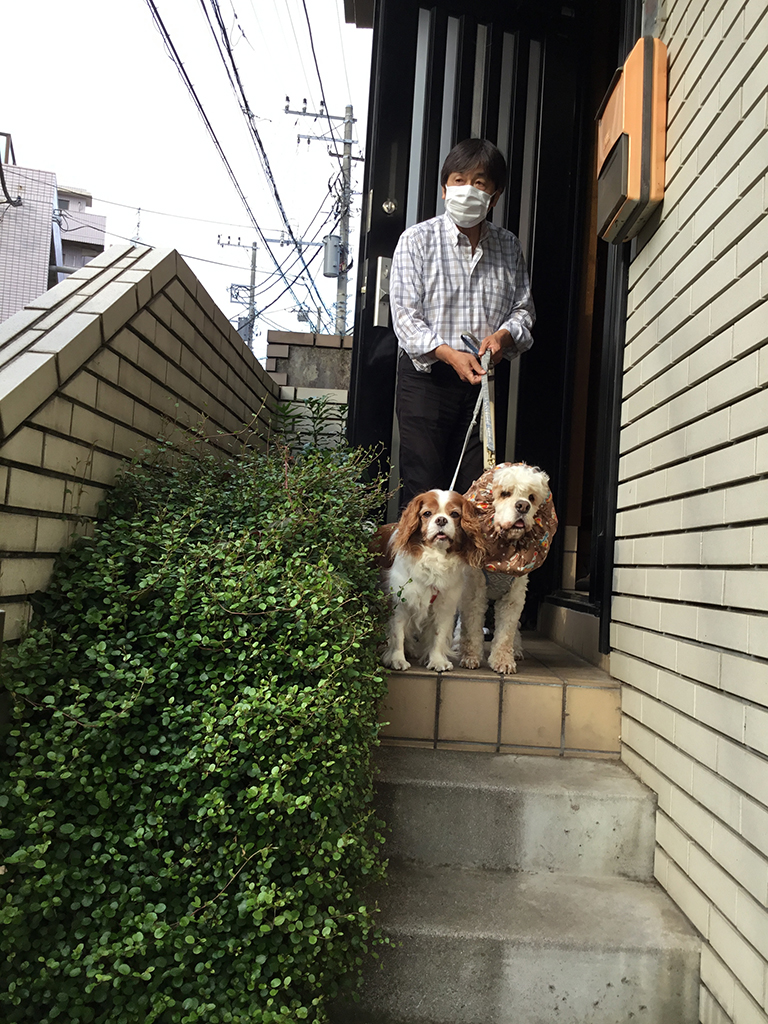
column 450, row 275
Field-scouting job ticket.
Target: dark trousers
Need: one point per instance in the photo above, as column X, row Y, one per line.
column 434, row 411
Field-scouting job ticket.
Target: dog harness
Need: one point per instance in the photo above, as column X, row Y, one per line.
column 529, row 553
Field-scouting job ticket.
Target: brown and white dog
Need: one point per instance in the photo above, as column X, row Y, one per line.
column 438, row 538
column 518, row 517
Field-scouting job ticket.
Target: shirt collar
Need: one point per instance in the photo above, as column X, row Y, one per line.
column 456, row 236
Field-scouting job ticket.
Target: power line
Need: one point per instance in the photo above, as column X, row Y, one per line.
column 341, row 50
column 287, row 9
column 135, row 206
column 164, row 213
column 234, row 266
column 317, row 69
column 289, row 266
column 235, row 80
column 260, row 147
column 201, row 110
column 269, row 305
column 72, row 215
column 148, row 245
column 284, row 268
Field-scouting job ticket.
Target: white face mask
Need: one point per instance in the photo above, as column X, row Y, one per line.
column 466, row 205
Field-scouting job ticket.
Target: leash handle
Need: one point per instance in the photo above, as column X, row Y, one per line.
column 471, row 342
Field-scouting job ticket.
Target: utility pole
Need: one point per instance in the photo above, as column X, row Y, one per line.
column 252, row 298
column 345, row 201
column 236, row 290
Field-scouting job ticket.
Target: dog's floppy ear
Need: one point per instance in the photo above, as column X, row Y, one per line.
column 475, row 547
column 542, row 486
column 410, row 524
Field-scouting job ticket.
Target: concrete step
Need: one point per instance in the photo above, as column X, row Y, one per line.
column 557, row 704
column 491, row 947
column 513, row 812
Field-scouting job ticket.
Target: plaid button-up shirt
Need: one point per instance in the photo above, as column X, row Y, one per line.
column 440, row 289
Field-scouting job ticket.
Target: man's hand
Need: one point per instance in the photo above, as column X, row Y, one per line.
column 464, row 363
column 495, row 344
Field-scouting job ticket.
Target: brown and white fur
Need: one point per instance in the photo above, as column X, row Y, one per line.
column 518, row 492
column 437, row 539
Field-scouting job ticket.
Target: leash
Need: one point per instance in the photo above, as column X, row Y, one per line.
column 485, row 400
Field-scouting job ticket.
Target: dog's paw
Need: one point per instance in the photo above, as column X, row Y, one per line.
column 470, row 662
column 396, row 662
column 506, row 666
column 439, row 663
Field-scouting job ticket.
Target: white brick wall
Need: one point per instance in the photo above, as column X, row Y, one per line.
column 25, row 237
column 128, row 348
column 690, row 611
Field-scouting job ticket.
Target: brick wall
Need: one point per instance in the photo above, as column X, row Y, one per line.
column 690, row 622
column 129, row 348
column 321, row 362
column 307, row 366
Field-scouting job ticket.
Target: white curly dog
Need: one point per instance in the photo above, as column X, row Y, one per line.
column 514, row 496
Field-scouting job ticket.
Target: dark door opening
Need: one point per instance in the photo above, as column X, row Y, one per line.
column 527, row 75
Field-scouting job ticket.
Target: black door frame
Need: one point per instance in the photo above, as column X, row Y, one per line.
column 374, row 354
column 605, row 502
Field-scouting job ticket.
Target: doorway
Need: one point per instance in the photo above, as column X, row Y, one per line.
column 528, row 76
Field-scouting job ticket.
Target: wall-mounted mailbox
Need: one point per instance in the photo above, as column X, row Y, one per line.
column 631, row 142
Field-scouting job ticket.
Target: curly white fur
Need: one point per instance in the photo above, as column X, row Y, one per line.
column 518, row 492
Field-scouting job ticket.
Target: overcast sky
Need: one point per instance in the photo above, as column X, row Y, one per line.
column 88, row 91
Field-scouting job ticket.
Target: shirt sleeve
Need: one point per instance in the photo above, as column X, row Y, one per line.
column 522, row 314
column 406, row 301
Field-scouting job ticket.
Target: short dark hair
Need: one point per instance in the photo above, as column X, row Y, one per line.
column 471, row 153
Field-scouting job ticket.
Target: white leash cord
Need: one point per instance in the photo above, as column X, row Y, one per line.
column 484, row 398
column 466, row 439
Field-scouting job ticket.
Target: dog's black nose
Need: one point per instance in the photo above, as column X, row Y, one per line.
column 522, row 506
column 441, row 520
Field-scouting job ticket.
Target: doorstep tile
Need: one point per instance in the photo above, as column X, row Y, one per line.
column 469, row 710
column 532, row 715
column 593, row 718
column 409, row 707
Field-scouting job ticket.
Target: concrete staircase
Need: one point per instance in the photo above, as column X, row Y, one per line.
column 521, row 892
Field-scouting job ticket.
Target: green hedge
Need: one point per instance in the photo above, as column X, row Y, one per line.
column 186, row 788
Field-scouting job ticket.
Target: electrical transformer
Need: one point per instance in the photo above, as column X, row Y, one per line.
column 331, row 255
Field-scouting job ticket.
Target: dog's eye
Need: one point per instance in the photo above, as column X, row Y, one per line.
column 506, row 494
column 426, row 513
column 532, row 498
column 455, row 515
